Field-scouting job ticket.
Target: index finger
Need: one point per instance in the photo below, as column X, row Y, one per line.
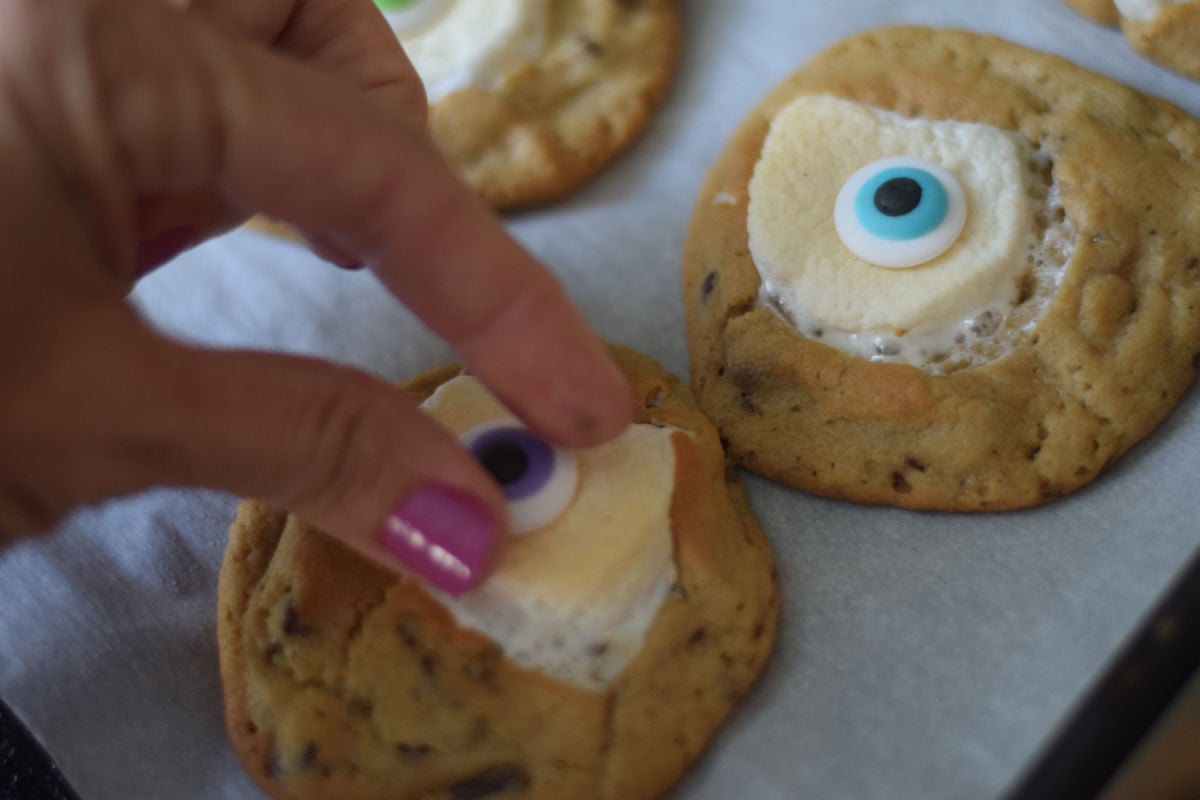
column 349, row 39
column 297, row 144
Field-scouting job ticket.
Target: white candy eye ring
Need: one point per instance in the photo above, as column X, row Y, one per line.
column 410, row 17
column 900, row 212
column 538, row 478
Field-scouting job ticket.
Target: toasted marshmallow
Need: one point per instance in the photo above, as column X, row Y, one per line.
column 574, row 598
column 455, row 44
column 817, row 149
column 1144, row 10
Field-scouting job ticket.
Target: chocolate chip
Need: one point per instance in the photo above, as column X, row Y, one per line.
column 913, row 463
column 899, row 484
column 598, row 649
column 292, row 625
column 406, row 636
column 710, row 283
column 493, row 780
column 1192, row 263
column 308, row 758
column 593, row 48
column 697, row 636
column 413, row 750
column 1050, row 491
column 429, row 665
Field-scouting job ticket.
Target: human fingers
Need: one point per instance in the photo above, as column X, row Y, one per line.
column 346, row 452
column 278, row 137
column 346, row 39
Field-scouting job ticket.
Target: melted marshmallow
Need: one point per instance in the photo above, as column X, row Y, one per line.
column 455, row 44
column 574, row 599
column 935, row 315
column 1144, row 10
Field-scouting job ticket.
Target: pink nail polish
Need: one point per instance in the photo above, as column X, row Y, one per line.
column 162, row 248
column 442, row 534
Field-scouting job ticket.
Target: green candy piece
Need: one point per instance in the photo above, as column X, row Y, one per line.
column 394, row 5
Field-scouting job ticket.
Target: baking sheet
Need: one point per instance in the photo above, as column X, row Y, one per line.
column 920, row 654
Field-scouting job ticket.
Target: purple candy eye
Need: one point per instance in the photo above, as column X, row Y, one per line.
column 537, row 478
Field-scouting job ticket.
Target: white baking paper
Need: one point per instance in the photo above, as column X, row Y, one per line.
column 920, row 655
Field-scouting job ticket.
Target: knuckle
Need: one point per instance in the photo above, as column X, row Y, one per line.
column 161, row 103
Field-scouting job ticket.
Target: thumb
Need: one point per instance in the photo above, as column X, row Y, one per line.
column 345, row 451
column 123, row 408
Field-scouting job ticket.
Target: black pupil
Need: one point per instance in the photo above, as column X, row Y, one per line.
column 505, row 461
column 898, row 197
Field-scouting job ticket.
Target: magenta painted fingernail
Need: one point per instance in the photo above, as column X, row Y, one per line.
column 162, row 248
column 442, row 534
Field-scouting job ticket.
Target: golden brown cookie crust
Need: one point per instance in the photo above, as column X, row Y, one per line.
column 1113, row 352
column 1102, row 11
column 1171, row 38
column 343, row 682
column 556, row 122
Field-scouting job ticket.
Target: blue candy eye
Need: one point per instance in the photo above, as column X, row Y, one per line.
column 900, row 212
column 537, row 478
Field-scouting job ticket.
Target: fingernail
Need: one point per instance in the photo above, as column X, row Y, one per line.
column 162, row 248
column 442, row 534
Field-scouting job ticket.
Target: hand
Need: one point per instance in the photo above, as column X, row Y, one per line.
column 131, row 128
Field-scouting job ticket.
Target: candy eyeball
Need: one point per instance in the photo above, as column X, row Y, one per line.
column 900, row 212
column 537, row 478
column 409, row 17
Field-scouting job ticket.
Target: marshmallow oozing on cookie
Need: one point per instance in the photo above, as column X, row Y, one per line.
column 590, row 558
column 1144, row 10
column 927, row 242
column 456, row 44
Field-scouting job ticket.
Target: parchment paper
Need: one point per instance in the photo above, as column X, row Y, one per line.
column 920, row 655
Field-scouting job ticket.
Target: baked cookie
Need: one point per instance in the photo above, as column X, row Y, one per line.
column 530, row 98
column 1102, row 11
column 596, row 661
column 1052, row 317
column 1166, row 31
